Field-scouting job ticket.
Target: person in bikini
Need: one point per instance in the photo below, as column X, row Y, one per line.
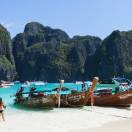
column 2, row 107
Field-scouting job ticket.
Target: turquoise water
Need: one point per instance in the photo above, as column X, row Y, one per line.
column 20, row 119
column 6, row 93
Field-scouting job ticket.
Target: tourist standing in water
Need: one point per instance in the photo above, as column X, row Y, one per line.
column 83, row 87
column 32, row 92
column 58, row 97
column 2, row 107
column 19, row 95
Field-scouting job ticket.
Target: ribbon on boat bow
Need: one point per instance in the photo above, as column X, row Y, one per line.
column 91, row 92
column 58, row 93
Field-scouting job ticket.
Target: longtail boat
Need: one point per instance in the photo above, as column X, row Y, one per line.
column 5, row 84
column 76, row 99
column 123, row 99
column 72, row 100
column 103, row 95
column 38, row 101
column 111, row 93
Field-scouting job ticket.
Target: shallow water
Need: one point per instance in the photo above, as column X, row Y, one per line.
column 7, row 93
column 58, row 119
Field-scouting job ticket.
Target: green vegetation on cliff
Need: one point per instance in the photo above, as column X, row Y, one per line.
column 43, row 53
column 7, row 66
column 49, row 54
column 114, row 57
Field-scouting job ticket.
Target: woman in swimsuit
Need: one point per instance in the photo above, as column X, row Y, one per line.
column 2, row 106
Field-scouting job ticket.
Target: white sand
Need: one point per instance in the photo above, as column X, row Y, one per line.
column 61, row 120
column 118, row 126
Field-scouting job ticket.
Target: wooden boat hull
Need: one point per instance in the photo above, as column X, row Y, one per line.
column 123, row 99
column 72, row 100
column 39, row 102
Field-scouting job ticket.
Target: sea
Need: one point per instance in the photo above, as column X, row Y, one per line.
column 8, row 92
column 57, row 119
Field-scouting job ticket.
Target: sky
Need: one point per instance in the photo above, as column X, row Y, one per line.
column 75, row 17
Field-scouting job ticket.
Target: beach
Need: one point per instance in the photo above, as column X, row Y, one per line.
column 115, row 126
column 66, row 120
column 19, row 119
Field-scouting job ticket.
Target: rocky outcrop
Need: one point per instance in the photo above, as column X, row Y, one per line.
column 114, row 57
column 7, row 67
column 43, row 53
column 49, row 54
column 81, row 56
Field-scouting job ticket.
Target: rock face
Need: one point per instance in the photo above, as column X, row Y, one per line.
column 81, row 56
column 43, row 53
column 114, row 57
column 7, row 67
